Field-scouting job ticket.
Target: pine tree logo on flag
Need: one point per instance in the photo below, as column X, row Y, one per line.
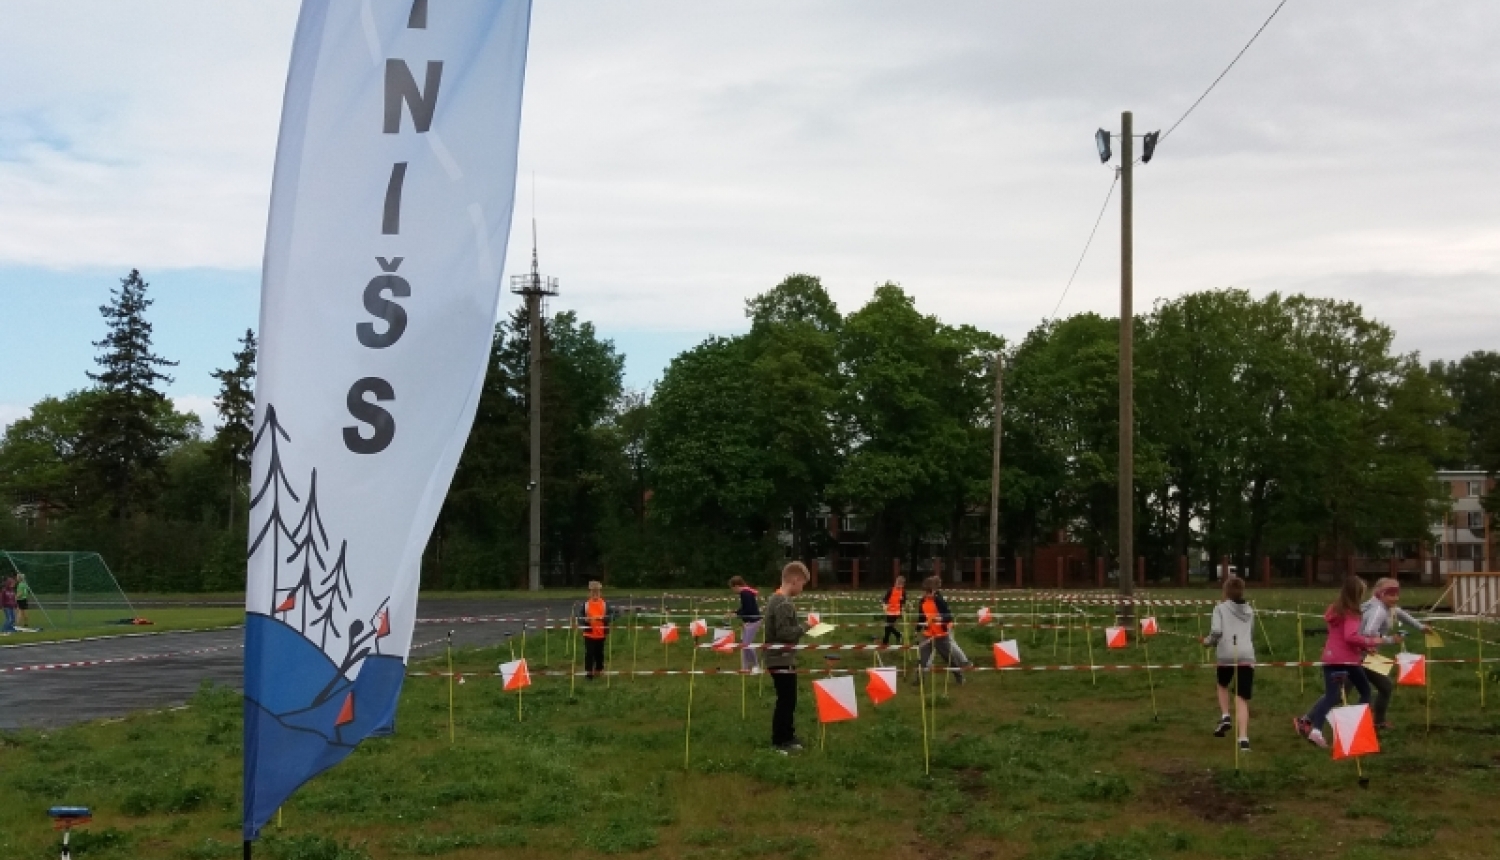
column 515, row 675
column 1114, row 637
column 1148, row 626
column 668, row 633
column 699, row 627
column 836, row 701
column 985, row 615
column 1353, row 731
column 1007, row 653
column 723, row 640
column 1411, row 669
column 881, row 686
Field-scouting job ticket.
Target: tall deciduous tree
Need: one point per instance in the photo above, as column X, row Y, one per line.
column 122, row 445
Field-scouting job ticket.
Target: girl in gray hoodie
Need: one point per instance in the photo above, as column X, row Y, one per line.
column 1233, row 631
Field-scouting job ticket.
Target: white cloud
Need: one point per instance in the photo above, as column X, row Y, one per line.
column 689, row 154
column 10, row 413
column 203, row 407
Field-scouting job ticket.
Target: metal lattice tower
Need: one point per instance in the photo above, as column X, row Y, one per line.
column 534, row 286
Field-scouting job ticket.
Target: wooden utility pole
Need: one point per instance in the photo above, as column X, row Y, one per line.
column 995, row 474
column 1127, row 362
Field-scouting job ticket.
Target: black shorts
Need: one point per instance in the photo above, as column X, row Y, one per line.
column 1245, row 688
column 23, row 603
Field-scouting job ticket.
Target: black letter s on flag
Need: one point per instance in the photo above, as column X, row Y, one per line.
column 378, row 419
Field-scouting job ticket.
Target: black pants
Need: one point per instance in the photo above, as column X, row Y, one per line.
column 593, row 656
column 1384, row 686
column 783, row 728
column 890, row 629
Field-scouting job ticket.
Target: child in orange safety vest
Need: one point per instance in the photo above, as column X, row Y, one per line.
column 594, row 616
column 935, row 621
column 894, row 602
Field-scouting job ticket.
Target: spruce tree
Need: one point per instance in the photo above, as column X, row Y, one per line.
column 125, row 436
column 236, row 405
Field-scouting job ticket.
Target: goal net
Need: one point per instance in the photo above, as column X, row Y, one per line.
column 68, row 589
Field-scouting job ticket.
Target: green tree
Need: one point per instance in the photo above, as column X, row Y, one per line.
column 793, row 355
column 1061, row 426
column 122, row 444
column 714, row 484
column 481, row 537
column 913, row 393
column 236, row 405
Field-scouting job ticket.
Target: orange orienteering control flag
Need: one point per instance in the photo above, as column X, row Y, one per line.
column 514, row 675
column 1007, row 654
column 1115, row 637
column 836, row 701
column 1411, row 669
column 881, row 686
column 1148, row 626
column 1353, row 731
column 668, row 633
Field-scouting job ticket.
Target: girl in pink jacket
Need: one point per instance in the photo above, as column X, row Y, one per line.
column 1342, row 656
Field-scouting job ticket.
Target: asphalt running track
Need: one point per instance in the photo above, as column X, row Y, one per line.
column 53, row 684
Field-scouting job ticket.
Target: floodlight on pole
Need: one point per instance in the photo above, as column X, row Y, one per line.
column 1101, row 140
column 1148, row 146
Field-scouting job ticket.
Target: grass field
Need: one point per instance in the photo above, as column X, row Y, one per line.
column 162, row 619
column 1052, row 765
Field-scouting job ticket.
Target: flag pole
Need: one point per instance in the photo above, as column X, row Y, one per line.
column 520, row 692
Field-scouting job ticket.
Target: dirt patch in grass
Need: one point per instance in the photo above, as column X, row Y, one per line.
column 1196, row 790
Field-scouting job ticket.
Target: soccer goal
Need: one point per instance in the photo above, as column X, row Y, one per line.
column 68, row 589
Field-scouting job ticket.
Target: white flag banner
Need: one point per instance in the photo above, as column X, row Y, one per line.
column 390, row 214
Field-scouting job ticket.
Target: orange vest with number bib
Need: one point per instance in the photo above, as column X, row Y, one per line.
column 893, row 606
column 934, row 625
column 594, row 610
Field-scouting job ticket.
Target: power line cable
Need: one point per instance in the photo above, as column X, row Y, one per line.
column 1079, row 264
column 1163, row 137
column 1211, row 86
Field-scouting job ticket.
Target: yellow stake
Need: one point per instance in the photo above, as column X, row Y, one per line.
column 1234, row 700
column 635, row 637
column 547, row 639
column 451, row 736
column 1088, row 636
column 1301, row 654
column 609, row 651
column 1146, row 646
column 521, row 691
column 573, row 647
column 1056, row 611
column 687, row 742
column 922, row 700
column 1269, row 650
column 1479, row 634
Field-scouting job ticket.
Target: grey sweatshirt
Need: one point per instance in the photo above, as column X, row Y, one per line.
column 1376, row 620
column 782, row 627
column 1233, row 631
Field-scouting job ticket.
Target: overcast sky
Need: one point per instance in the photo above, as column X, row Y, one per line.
column 691, row 153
